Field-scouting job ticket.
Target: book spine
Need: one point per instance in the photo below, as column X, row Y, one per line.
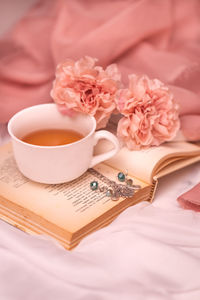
column 153, row 190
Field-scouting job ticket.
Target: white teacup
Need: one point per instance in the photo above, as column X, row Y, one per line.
column 56, row 164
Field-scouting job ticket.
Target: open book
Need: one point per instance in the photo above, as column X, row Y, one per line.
column 69, row 211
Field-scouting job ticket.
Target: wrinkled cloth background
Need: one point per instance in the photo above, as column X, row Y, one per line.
column 151, row 251
column 159, row 38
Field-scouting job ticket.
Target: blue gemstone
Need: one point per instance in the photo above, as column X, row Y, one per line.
column 94, row 185
column 121, row 176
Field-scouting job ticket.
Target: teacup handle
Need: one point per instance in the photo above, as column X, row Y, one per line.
column 103, row 134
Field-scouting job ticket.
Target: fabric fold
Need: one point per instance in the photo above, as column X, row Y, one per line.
column 191, row 199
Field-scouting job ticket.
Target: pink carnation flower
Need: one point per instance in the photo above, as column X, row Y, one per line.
column 150, row 113
column 81, row 86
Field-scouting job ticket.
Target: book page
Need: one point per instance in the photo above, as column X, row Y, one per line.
column 69, row 205
column 145, row 163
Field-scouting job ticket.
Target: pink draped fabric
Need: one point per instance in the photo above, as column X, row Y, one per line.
column 159, row 38
column 191, row 199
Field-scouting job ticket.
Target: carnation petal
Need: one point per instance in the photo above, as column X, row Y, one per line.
column 150, row 110
column 137, row 85
column 65, row 111
column 112, row 72
column 84, row 63
column 162, row 130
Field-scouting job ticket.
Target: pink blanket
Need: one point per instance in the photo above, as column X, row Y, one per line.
column 159, row 38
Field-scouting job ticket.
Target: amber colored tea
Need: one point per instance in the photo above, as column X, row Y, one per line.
column 52, row 137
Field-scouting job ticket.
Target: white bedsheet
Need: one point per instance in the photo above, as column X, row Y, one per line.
column 151, row 251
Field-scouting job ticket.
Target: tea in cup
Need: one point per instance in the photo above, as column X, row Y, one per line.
column 52, row 137
column 53, row 148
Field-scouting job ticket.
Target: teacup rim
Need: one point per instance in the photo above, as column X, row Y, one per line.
column 48, row 147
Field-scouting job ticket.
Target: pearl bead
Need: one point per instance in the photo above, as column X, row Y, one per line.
column 129, row 182
column 109, row 193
